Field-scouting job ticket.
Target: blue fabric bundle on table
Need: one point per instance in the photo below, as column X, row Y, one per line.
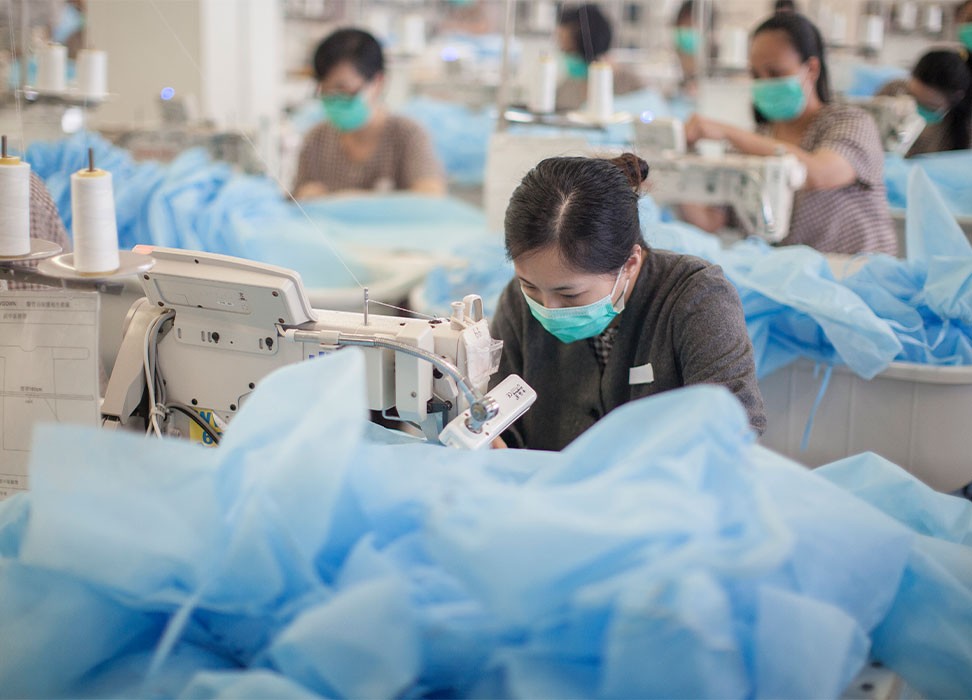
column 199, row 204
column 662, row 554
column 948, row 171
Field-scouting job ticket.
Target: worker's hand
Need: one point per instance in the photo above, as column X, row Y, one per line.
column 499, row 444
column 699, row 127
column 310, row 190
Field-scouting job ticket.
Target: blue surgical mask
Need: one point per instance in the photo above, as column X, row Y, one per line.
column 579, row 322
column 965, row 34
column 931, row 116
column 686, row 40
column 346, row 113
column 575, row 65
column 780, row 99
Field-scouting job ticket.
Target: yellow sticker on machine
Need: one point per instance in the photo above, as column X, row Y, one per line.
column 197, row 434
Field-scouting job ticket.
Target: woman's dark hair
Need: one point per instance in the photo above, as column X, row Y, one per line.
column 586, row 207
column 951, row 73
column 806, row 40
column 355, row 46
column 590, row 30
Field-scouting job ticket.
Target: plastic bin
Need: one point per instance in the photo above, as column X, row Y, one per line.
column 917, row 416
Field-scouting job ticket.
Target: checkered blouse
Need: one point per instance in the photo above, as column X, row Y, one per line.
column 851, row 219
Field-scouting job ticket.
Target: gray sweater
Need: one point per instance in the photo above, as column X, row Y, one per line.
column 683, row 317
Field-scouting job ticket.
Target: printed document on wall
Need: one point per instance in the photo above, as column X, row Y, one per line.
column 48, row 371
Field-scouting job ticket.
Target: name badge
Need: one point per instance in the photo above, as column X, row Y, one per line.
column 641, row 375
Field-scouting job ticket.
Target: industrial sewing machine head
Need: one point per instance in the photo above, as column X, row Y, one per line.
column 897, row 119
column 211, row 327
column 759, row 189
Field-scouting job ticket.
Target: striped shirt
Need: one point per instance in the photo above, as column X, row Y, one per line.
column 850, row 219
column 403, row 157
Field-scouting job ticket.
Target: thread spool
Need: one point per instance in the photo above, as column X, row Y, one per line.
column 379, row 22
column 92, row 73
column 52, row 68
column 543, row 96
column 600, row 91
column 736, row 43
column 544, row 17
column 908, row 16
column 94, row 225
column 14, row 205
column 413, row 34
column 838, row 29
column 873, row 32
column 933, row 19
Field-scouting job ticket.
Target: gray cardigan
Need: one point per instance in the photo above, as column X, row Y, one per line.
column 683, row 317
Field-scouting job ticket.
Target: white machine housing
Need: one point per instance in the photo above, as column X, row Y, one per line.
column 759, row 189
column 235, row 321
column 897, row 119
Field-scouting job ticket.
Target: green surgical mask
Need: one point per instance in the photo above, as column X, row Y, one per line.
column 575, row 323
column 965, row 34
column 576, row 66
column 780, row 99
column 931, row 116
column 346, row 113
column 686, row 40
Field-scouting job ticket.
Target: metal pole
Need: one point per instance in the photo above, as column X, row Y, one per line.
column 503, row 94
column 702, row 14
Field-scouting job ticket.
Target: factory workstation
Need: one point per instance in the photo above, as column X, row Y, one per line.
column 533, row 349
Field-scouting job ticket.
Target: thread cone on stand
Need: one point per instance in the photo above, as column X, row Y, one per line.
column 94, row 225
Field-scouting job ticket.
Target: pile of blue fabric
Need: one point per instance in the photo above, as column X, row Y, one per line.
column 198, row 204
column 663, row 554
column 948, row 171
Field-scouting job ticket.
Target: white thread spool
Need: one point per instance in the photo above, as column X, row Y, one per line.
column 873, row 32
column 736, row 42
column 92, row 73
column 413, row 34
column 14, row 207
column 908, row 16
column 94, row 225
column 52, row 68
column 379, row 22
column 838, row 29
column 543, row 96
column 933, row 20
column 544, row 17
column 600, row 91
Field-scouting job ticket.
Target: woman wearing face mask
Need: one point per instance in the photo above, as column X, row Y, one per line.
column 361, row 147
column 842, row 208
column 941, row 84
column 963, row 24
column 594, row 318
column 584, row 36
column 687, row 40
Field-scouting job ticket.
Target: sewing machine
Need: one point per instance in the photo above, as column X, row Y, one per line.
column 758, row 188
column 211, row 327
column 897, row 119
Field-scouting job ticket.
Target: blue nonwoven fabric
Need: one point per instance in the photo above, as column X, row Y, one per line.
column 926, row 299
column 948, row 171
column 662, row 554
column 244, row 685
column 890, row 488
column 459, row 134
column 196, row 203
column 867, row 79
